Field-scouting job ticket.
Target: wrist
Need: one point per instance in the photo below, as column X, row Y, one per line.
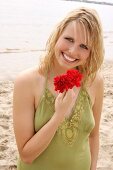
column 58, row 119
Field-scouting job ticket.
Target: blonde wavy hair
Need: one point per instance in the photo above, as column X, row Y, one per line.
column 92, row 25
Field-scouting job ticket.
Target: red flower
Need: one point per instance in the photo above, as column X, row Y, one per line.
column 68, row 81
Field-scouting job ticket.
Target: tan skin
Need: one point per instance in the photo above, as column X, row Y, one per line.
column 29, row 87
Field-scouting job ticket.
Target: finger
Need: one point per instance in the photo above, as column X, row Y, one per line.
column 60, row 96
column 64, row 93
column 67, row 94
column 70, row 95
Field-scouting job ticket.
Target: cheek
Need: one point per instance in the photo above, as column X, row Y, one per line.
column 61, row 45
column 57, row 49
column 86, row 55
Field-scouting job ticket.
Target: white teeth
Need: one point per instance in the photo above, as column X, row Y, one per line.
column 68, row 58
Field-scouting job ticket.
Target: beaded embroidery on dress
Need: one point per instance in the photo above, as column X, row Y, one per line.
column 69, row 128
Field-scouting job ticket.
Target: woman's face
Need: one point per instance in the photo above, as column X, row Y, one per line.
column 71, row 49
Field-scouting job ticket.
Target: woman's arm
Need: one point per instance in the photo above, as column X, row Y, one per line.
column 97, row 108
column 29, row 143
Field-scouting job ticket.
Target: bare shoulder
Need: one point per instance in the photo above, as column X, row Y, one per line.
column 29, row 78
column 99, row 77
column 96, row 87
column 99, row 82
column 31, row 83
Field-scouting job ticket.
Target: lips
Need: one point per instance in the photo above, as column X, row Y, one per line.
column 68, row 58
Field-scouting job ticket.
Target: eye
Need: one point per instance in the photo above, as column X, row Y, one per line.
column 83, row 46
column 69, row 39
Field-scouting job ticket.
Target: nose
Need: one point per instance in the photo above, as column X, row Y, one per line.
column 74, row 51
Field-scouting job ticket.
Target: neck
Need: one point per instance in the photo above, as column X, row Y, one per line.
column 57, row 69
column 56, row 72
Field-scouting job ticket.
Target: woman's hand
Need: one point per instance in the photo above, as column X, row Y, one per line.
column 64, row 104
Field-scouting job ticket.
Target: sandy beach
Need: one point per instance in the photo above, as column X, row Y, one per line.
column 8, row 150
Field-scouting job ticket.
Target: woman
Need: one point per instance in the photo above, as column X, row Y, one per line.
column 60, row 131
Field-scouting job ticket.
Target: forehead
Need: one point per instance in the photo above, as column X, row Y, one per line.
column 77, row 31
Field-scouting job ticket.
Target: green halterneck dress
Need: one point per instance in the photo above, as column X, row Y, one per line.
column 69, row 148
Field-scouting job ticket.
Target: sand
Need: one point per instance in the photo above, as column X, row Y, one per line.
column 8, row 149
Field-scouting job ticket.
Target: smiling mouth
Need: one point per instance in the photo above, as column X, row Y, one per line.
column 69, row 59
